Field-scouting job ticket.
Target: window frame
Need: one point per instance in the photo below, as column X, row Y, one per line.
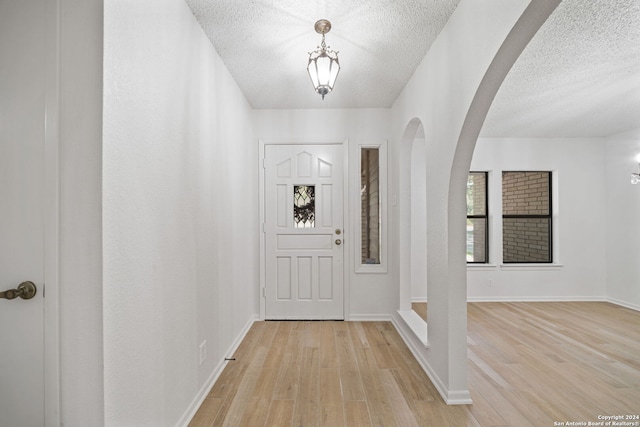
column 548, row 216
column 485, row 217
column 359, row 266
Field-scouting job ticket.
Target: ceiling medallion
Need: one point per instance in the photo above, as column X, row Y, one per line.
column 323, row 65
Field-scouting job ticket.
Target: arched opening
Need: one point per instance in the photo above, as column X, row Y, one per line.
column 441, row 114
column 413, row 226
column 418, row 208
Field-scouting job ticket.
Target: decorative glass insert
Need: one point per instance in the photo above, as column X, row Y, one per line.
column 304, row 206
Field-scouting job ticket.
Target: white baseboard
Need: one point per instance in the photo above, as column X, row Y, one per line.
column 534, row 299
column 530, row 299
column 624, row 304
column 615, row 301
column 451, row 397
column 370, row 318
column 208, row 385
column 459, row 397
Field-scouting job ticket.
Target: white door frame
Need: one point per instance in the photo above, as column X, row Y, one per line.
column 52, row 218
column 345, row 207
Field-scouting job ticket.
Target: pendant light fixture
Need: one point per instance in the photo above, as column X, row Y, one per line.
column 323, row 65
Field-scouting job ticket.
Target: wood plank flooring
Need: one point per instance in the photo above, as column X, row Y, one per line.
column 530, row 364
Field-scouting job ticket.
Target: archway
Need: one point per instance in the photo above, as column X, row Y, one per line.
column 451, row 94
column 413, row 228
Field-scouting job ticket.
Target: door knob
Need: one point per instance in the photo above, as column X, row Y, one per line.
column 25, row 290
column 338, row 241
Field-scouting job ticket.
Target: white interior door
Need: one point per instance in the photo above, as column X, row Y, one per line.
column 22, row 114
column 304, row 232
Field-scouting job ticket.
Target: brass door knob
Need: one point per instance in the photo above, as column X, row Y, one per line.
column 338, row 242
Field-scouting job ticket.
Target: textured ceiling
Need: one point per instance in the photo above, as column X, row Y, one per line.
column 265, row 44
column 579, row 76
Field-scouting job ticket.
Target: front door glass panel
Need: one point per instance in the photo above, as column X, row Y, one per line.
column 304, row 206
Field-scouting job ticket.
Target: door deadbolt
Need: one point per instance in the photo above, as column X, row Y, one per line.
column 338, row 231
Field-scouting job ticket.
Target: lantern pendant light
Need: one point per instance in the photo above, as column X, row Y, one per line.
column 323, row 65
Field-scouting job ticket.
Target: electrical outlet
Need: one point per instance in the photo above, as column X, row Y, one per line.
column 203, row 351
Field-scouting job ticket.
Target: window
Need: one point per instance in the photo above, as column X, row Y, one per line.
column 370, row 205
column 370, row 224
column 304, row 206
column 526, row 217
column 477, row 218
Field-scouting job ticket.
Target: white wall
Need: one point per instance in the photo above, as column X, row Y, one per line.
column 579, row 223
column 180, row 212
column 370, row 295
column 623, row 219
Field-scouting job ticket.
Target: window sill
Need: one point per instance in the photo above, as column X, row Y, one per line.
column 531, row 267
column 417, row 325
column 481, row 267
column 371, row 269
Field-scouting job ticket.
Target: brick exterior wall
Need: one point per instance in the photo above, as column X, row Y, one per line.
column 526, row 239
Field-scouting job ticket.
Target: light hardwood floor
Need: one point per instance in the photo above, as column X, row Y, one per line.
column 530, row 364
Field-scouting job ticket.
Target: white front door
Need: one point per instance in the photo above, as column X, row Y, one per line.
column 304, row 231
column 22, row 168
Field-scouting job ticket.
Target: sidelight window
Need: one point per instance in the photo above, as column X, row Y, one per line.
column 370, row 237
column 370, row 205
